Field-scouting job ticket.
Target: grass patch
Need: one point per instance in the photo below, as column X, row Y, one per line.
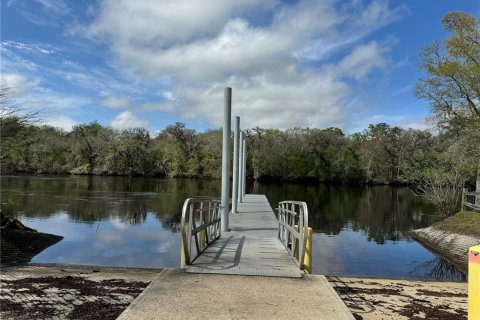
column 465, row 222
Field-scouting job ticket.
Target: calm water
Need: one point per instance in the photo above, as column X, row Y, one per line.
column 117, row 221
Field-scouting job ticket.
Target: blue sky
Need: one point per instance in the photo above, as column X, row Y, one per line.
column 152, row 63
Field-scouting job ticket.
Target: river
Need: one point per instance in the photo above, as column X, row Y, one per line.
column 359, row 231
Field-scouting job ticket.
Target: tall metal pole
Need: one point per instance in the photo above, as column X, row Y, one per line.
column 236, row 142
column 244, row 163
column 240, row 165
column 227, row 112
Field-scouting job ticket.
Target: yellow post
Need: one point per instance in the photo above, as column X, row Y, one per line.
column 474, row 283
column 183, row 263
column 308, row 259
column 182, row 256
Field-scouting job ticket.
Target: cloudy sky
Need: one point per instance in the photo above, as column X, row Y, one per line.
column 149, row 63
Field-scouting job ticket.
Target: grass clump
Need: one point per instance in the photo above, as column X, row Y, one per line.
column 465, row 222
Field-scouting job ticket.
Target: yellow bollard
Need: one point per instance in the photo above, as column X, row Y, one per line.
column 182, row 257
column 474, row 283
column 308, row 259
column 183, row 262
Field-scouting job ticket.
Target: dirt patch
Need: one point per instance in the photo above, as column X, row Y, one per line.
column 401, row 299
column 96, row 310
column 83, row 286
column 441, row 294
column 88, row 294
column 370, row 291
column 420, row 311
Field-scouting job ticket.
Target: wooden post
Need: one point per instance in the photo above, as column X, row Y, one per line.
column 464, row 191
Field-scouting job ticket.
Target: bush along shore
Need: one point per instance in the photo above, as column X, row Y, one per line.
column 451, row 238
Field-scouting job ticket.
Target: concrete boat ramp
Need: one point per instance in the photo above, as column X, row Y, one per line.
column 246, row 274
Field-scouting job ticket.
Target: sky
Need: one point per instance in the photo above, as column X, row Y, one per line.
column 142, row 63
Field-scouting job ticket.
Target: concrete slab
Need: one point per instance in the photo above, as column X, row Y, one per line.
column 175, row 294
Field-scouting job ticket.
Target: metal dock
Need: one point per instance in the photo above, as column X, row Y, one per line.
column 249, row 272
column 251, row 247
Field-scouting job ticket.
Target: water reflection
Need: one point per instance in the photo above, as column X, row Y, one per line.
column 360, row 231
column 381, row 213
column 438, row 269
column 90, row 199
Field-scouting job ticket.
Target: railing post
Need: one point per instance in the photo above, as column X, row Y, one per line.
column 244, row 164
column 240, row 166
column 236, row 142
column 464, row 190
column 227, row 111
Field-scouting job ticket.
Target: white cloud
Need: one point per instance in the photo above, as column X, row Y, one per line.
column 164, row 106
column 32, row 97
column 54, row 6
column 48, row 100
column 116, row 102
column 158, row 24
column 18, row 83
column 363, row 59
column 62, row 122
column 202, row 47
column 419, row 124
column 29, row 47
column 127, row 120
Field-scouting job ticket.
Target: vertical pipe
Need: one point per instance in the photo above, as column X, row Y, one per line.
column 244, row 163
column 227, row 111
column 474, row 282
column 236, row 141
column 240, row 166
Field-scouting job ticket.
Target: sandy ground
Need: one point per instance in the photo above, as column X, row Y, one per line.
column 63, row 292
column 69, row 292
column 401, row 299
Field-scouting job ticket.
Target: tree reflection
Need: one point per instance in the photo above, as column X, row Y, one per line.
column 438, row 269
column 382, row 213
column 89, row 199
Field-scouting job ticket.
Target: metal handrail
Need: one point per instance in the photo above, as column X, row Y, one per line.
column 292, row 228
column 201, row 218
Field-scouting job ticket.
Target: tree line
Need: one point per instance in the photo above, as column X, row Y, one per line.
column 380, row 154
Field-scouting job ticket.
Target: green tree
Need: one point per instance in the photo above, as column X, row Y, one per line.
column 452, row 83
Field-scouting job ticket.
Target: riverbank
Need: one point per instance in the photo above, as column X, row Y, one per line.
column 51, row 291
column 89, row 292
column 451, row 238
column 375, row 299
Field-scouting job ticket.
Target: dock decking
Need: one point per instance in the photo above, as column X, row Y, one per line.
column 251, row 247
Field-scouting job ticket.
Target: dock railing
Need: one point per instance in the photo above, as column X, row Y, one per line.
column 467, row 197
column 293, row 229
column 200, row 226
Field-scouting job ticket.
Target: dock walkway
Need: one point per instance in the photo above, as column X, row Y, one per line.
column 246, row 274
column 251, row 247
